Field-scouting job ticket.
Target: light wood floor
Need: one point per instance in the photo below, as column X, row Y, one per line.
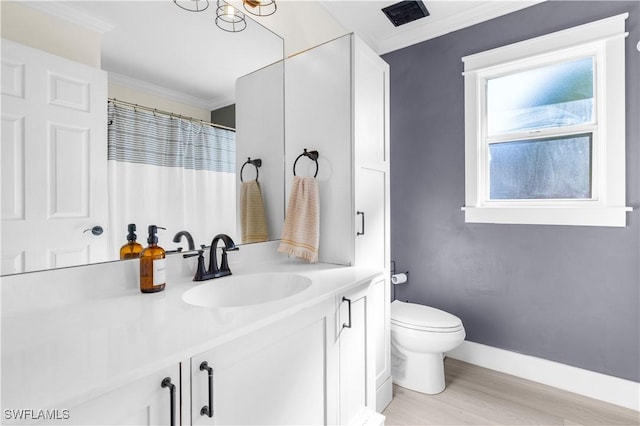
column 478, row 396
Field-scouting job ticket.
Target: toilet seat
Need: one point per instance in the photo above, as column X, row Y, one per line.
column 424, row 318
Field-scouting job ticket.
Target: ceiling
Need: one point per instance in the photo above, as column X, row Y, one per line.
column 158, row 48
column 365, row 18
column 155, row 46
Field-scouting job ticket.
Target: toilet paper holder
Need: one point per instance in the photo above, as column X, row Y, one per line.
column 398, row 277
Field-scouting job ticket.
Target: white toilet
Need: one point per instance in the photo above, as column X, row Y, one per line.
column 419, row 337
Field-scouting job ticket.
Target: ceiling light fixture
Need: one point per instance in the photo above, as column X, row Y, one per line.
column 229, row 19
column 260, row 7
column 192, row 5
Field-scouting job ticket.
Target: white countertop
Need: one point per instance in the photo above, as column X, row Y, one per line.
column 61, row 357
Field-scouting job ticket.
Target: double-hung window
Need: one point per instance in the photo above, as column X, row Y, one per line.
column 545, row 129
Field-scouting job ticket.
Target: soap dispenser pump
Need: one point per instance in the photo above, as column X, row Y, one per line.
column 132, row 249
column 153, row 271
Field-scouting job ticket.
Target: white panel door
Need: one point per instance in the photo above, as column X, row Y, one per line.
column 54, row 160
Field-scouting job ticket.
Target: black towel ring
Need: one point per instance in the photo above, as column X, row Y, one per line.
column 313, row 155
column 256, row 163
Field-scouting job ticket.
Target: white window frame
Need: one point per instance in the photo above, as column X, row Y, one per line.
column 604, row 40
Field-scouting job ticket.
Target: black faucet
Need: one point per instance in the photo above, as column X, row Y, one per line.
column 229, row 245
column 187, row 235
column 202, row 273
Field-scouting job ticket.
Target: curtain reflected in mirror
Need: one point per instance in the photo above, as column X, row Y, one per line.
column 171, row 172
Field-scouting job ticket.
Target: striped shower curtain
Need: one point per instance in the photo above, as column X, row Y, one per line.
column 169, row 172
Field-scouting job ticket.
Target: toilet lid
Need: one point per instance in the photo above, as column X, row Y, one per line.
column 414, row 315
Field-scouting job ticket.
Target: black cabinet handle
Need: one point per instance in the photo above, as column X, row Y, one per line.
column 362, row 223
column 207, row 410
column 166, row 383
column 344, row 299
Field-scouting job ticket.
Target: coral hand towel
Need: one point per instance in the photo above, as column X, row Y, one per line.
column 301, row 231
column 253, row 221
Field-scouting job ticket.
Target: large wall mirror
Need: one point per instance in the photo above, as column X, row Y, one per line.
column 156, row 55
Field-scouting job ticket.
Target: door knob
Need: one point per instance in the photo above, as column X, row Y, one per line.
column 96, row 230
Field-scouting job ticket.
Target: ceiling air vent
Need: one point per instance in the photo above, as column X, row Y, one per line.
column 405, row 11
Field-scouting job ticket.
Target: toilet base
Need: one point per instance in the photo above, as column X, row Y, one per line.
column 424, row 373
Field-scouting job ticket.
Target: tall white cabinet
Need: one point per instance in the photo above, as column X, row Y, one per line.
column 336, row 102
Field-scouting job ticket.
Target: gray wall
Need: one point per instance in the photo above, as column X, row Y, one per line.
column 225, row 116
column 567, row 294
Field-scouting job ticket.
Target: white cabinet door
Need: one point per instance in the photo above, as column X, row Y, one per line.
column 357, row 382
column 54, row 160
column 371, row 106
column 143, row 402
column 273, row 376
column 380, row 330
column 370, row 218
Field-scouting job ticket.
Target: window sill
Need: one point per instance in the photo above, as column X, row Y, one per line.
column 576, row 216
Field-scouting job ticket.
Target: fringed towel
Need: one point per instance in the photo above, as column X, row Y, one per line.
column 253, row 222
column 301, row 231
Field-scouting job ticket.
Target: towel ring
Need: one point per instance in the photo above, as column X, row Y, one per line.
column 313, row 155
column 256, row 163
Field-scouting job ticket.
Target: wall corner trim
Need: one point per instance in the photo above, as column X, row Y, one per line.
column 614, row 390
column 71, row 14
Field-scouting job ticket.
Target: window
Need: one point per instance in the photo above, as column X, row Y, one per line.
column 545, row 129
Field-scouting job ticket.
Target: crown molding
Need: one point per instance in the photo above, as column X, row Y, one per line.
column 70, row 14
column 170, row 94
column 474, row 15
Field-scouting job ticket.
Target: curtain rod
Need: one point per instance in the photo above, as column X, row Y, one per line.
column 170, row 114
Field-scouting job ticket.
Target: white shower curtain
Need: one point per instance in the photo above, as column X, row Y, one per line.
column 169, row 172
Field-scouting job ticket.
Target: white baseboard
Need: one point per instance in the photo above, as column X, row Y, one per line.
column 614, row 390
column 384, row 395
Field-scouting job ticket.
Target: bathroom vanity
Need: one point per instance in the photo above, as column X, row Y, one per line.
column 84, row 346
column 300, row 354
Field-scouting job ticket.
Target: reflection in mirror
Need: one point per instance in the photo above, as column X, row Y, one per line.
column 171, row 172
column 179, row 62
column 259, row 129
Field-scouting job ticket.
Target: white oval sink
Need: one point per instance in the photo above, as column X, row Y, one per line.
column 246, row 290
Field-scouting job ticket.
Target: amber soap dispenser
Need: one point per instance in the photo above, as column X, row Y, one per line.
column 153, row 269
column 132, row 249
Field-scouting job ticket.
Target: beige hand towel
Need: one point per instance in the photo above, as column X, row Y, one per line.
column 253, row 222
column 301, row 231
